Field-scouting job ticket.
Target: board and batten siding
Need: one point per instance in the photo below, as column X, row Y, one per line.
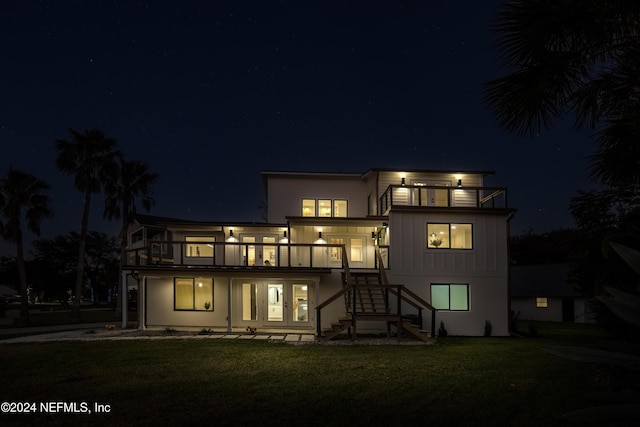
column 284, row 195
column 484, row 268
column 408, row 238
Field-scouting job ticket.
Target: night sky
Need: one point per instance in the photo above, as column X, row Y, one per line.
column 209, row 93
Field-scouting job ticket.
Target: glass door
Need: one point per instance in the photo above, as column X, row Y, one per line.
column 260, row 254
column 274, row 304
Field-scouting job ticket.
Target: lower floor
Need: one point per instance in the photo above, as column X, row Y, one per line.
column 263, row 301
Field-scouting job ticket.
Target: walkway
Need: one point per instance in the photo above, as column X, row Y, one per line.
column 95, row 332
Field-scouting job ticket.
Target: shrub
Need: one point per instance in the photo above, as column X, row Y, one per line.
column 488, row 328
column 442, row 332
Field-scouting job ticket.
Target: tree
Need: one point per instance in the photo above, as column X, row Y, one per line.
column 577, row 58
column 56, row 259
column 91, row 158
column 134, row 182
column 22, row 199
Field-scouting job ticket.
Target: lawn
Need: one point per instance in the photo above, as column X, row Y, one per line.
column 459, row 381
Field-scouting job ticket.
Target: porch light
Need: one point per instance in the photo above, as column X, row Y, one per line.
column 459, row 183
column 319, row 235
column 402, row 183
column 230, row 233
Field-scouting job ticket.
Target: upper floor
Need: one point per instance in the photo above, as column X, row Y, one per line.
column 326, row 220
column 375, row 192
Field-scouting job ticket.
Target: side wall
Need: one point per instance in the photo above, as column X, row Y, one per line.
column 484, row 267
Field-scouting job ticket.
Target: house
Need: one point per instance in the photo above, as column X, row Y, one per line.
column 384, row 250
column 542, row 292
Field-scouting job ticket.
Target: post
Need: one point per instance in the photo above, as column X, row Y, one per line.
column 229, row 328
column 433, row 323
column 124, row 296
column 142, row 293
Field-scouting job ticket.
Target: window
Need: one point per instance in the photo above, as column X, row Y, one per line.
column 204, row 249
column 541, row 302
column 453, row 297
column 308, row 207
column 449, row 236
column 356, row 250
column 325, row 208
column 340, row 208
column 335, row 251
column 195, row 294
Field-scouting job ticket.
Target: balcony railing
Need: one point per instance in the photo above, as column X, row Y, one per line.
column 234, row 254
column 446, row 197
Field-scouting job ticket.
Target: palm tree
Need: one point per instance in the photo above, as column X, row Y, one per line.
column 134, row 182
column 573, row 58
column 91, row 158
column 21, row 197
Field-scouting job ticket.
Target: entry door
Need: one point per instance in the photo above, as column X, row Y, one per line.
column 275, row 304
column 260, row 254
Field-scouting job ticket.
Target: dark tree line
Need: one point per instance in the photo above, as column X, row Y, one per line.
column 97, row 167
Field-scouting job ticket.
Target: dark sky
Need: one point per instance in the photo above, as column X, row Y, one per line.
column 209, row 93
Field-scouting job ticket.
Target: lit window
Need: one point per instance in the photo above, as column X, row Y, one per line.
column 308, row 207
column 451, row 297
column 340, row 208
column 336, row 251
column 449, row 236
column 193, row 294
column 541, row 302
column 324, row 207
column 356, row 250
column 204, row 249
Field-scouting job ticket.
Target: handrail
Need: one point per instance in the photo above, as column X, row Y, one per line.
column 412, row 198
column 345, row 264
column 334, row 297
column 382, row 271
column 492, row 195
column 417, row 298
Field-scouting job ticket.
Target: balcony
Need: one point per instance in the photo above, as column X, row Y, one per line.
column 442, row 197
column 167, row 254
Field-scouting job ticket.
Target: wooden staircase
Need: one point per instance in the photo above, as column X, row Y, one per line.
column 412, row 329
column 368, row 296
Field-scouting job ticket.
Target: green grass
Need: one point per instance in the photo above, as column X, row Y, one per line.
column 459, row 381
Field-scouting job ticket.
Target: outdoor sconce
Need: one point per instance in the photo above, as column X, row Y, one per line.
column 459, row 183
column 230, row 233
column 373, row 235
column 402, row 183
column 319, row 234
column 285, row 234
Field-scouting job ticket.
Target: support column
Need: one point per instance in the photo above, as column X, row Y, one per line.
column 123, row 296
column 229, row 301
column 142, row 293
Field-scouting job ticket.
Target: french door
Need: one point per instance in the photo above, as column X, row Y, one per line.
column 274, row 304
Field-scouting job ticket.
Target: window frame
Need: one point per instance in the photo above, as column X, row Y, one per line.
column 448, row 234
column 332, row 208
column 194, row 294
column 542, row 302
column 449, row 285
column 197, row 243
